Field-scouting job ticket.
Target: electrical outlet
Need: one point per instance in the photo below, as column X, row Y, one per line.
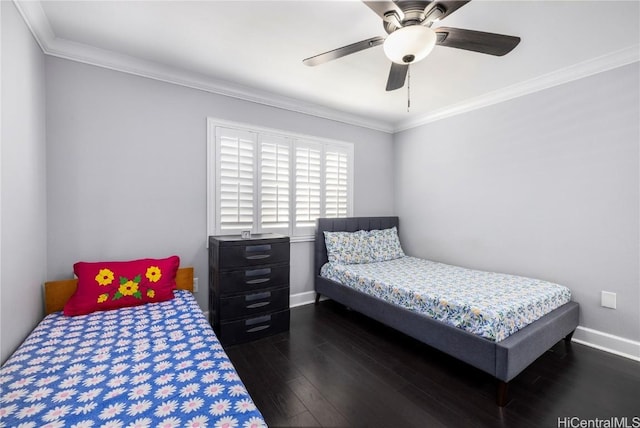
column 608, row 299
column 195, row 285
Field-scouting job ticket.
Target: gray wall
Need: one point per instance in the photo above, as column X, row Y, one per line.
column 546, row 185
column 23, row 258
column 126, row 168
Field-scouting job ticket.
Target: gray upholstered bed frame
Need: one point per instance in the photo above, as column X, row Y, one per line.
column 504, row 360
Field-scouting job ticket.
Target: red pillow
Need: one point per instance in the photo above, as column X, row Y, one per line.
column 111, row 285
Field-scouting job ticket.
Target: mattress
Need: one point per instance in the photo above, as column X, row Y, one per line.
column 155, row 365
column 490, row 305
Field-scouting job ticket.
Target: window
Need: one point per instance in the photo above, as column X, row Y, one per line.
column 266, row 180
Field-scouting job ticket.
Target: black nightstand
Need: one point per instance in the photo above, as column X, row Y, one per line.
column 248, row 286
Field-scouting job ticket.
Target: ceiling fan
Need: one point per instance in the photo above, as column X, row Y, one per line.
column 411, row 37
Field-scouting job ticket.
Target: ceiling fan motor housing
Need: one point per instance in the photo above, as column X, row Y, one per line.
column 414, row 13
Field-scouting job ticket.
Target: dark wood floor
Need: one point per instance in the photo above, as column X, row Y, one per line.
column 336, row 367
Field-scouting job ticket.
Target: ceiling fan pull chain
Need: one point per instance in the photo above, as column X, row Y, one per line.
column 408, row 87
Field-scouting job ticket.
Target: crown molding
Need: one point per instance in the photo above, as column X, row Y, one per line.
column 37, row 21
column 35, row 18
column 574, row 72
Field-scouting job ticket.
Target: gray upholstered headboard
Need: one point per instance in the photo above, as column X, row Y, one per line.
column 348, row 224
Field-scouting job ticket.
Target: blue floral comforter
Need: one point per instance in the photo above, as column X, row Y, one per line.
column 491, row 305
column 155, row 365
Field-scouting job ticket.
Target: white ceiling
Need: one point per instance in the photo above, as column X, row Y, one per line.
column 254, row 50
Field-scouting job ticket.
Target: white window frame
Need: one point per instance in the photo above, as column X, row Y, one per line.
column 213, row 190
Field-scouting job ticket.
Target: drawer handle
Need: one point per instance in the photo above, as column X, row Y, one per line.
column 258, row 305
column 258, row 248
column 251, row 250
column 257, row 320
column 257, row 296
column 258, row 257
column 257, row 272
column 254, row 329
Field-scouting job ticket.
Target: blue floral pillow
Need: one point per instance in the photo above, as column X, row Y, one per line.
column 348, row 248
column 385, row 245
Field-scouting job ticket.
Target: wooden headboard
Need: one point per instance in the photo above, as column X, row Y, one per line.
column 56, row 293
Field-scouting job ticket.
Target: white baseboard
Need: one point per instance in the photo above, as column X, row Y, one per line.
column 607, row 342
column 305, row 298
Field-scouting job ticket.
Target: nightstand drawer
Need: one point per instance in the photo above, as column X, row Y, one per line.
column 254, row 303
column 243, row 330
column 257, row 278
column 252, row 254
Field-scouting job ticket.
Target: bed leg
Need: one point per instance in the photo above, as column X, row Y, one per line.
column 317, row 298
column 568, row 337
column 502, row 393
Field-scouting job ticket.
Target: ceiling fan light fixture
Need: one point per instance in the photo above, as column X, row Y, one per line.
column 409, row 44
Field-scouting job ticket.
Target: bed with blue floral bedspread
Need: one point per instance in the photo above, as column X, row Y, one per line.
column 155, row 365
column 497, row 323
column 491, row 305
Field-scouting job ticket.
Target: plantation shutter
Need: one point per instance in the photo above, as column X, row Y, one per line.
column 236, row 167
column 271, row 181
column 308, row 187
column 274, row 183
column 336, row 183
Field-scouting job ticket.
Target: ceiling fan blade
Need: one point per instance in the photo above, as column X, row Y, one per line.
column 477, row 41
column 397, row 76
column 381, row 8
column 441, row 9
column 343, row 51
